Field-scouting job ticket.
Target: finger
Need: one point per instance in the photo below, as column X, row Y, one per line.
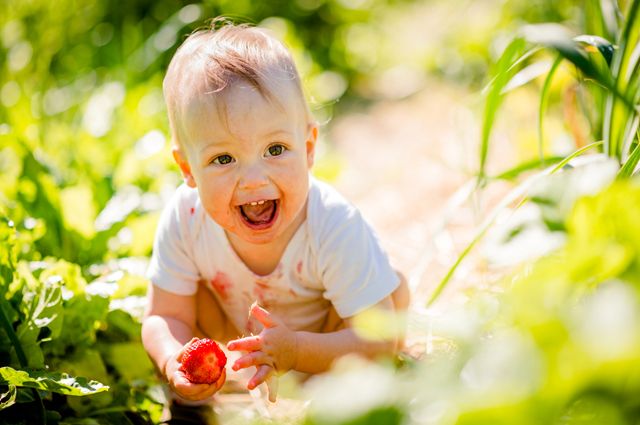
column 178, row 378
column 263, row 373
column 213, row 388
column 221, row 380
column 254, row 358
column 272, row 386
column 189, row 388
column 263, row 316
column 250, row 343
column 184, row 349
column 200, row 391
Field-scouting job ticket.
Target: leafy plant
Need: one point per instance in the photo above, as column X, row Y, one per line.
column 64, row 352
column 607, row 73
column 608, row 69
column 557, row 341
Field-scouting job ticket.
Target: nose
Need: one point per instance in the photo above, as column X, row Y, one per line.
column 253, row 176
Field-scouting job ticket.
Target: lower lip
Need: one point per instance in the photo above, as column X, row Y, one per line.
column 263, row 226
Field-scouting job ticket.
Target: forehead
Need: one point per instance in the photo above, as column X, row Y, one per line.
column 241, row 108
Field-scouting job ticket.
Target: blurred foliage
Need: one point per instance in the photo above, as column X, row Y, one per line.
column 599, row 93
column 556, row 342
column 604, row 91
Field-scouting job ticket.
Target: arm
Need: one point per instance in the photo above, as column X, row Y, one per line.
column 277, row 348
column 167, row 328
column 168, row 324
column 316, row 352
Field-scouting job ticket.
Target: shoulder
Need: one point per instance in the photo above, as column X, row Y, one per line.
column 329, row 213
column 325, row 202
column 183, row 212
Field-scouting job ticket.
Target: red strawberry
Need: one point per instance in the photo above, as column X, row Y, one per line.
column 203, row 361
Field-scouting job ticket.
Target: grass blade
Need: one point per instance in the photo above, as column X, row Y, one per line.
column 515, row 172
column 504, row 69
column 544, row 100
column 617, row 115
column 630, row 164
column 601, row 18
column 556, row 37
column 517, row 193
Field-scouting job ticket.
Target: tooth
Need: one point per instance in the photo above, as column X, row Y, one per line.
column 260, row 202
column 254, row 204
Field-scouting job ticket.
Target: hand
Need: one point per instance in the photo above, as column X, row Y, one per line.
column 273, row 350
column 179, row 383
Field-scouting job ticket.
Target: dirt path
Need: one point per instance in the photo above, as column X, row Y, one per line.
column 404, row 162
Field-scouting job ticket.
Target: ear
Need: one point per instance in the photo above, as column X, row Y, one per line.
column 185, row 169
column 312, row 137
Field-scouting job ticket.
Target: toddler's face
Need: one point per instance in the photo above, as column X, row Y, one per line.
column 249, row 158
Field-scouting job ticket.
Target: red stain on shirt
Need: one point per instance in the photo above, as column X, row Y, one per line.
column 260, row 292
column 221, row 284
column 193, row 210
column 299, row 267
column 263, row 293
column 262, row 283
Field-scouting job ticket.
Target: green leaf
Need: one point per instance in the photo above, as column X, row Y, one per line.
column 544, row 100
column 69, row 273
column 83, row 315
column 130, row 360
column 7, row 254
column 42, row 309
column 60, row 383
column 601, row 19
column 630, row 164
column 619, row 115
column 84, row 362
column 122, row 327
column 519, row 169
column 495, row 95
column 8, row 398
column 602, row 45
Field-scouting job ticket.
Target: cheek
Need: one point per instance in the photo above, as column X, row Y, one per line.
column 215, row 193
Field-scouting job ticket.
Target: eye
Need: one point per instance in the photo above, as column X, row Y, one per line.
column 222, row 159
column 275, row 150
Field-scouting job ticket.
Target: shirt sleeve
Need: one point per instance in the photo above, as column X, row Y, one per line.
column 353, row 266
column 172, row 267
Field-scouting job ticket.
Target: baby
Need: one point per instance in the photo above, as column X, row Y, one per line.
column 251, row 244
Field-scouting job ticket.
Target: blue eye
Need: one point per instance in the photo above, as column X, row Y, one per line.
column 223, row 159
column 275, row 150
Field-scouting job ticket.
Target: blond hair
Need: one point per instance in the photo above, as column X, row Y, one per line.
column 215, row 58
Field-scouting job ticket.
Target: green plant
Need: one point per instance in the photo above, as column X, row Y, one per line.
column 607, row 69
column 66, row 350
column 608, row 74
column 557, row 341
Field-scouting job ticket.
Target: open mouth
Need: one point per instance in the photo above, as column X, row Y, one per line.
column 260, row 214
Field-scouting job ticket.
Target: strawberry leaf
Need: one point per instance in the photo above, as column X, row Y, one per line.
column 60, row 383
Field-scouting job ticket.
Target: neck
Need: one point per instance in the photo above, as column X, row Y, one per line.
column 262, row 259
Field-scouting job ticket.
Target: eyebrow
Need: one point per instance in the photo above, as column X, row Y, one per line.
column 223, row 143
column 216, row 144
column 277, row 132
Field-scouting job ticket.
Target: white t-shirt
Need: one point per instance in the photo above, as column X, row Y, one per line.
column 333, row 258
